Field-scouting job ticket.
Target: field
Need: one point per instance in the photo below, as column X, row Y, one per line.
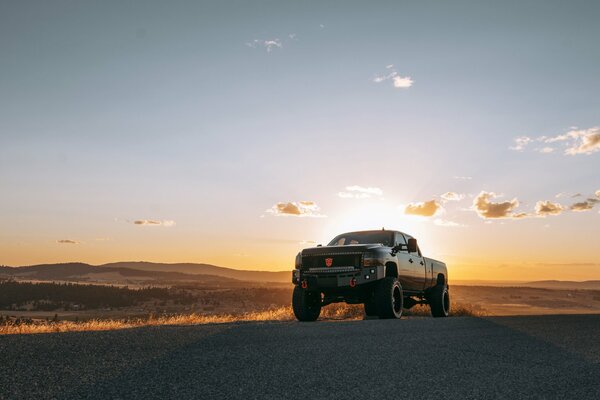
column 206, row 304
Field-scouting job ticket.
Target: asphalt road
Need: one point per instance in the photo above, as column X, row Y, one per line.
column 458, row 358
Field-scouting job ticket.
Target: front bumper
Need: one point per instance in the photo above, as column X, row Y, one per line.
column 325, row 278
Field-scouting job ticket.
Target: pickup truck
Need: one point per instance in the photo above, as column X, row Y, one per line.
column 384, row 270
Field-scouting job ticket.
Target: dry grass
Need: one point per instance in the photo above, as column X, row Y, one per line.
column 339, row 311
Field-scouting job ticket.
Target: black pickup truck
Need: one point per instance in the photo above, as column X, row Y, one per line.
column 384, row 270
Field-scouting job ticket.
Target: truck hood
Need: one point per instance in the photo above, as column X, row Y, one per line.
column 351, row 248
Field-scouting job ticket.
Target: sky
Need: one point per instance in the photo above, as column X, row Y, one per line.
column 238, row 133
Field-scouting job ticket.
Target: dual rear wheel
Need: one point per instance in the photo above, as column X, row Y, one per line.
column 388, row 299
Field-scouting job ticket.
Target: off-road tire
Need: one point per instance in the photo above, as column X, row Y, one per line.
column 439, row 301
column 306, row 304
column 389, row 298
column 370, row 308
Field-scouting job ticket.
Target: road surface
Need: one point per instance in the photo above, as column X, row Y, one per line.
column 542, row 357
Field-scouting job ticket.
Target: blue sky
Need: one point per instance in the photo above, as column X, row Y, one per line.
column 209, row 113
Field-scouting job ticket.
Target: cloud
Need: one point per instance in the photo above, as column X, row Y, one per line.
column 295, row 209
column 486, row 209
column 546, row 150
column 576, row 141
column 360, row 192
column 462, row 178
column 400, row 82
column 597, row 193
column 67, row 241
column 445, row 223
column 423, row 209
column 452, row 196
column 151, row 222
column 584, row 205
column 544, row 208
column 521, row 142
column 269, row 44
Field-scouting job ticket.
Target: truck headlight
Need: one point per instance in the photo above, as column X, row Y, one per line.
column 298, row 261
column 371, row 260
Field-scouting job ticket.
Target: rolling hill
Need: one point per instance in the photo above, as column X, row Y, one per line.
column 144, row 271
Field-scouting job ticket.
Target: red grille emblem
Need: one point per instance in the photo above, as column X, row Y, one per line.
column 329, row 262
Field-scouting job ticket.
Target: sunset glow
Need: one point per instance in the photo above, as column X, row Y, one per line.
column 239, row 143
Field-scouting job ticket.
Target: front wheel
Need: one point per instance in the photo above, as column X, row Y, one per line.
column 306, row 304
column 389, row 298
column 439, row 301
column 370, row 308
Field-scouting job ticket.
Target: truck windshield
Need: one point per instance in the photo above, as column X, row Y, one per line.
column 385, row 238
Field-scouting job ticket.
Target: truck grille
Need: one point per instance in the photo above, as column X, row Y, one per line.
column 338, row 260
column 333, row 269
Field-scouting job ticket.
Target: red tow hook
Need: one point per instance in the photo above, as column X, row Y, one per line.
column 304, row 284
column 352, row 282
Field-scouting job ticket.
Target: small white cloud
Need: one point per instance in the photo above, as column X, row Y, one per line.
column 360, row 192
column 151, row 222
column 292, row 36
column 575, row 142
column 400, row 82
column 546, row 150
column 450, row 224
column 269, row 44
column 452, row 196
column 462, row 178
column 521, row 142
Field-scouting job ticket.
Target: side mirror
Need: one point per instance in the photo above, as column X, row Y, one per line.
column 412, row 245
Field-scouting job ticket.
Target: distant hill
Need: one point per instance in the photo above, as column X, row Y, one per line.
column 552, row 284
column 206, row 269
column 84, row 272
column 143, row 271
column 548, row 284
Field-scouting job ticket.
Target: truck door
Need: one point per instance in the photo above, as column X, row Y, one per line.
column 408, row 275
column 417, row 262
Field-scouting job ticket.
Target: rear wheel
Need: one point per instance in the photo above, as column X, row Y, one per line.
column 439, row 301
column 388, row 298
column 306, row 304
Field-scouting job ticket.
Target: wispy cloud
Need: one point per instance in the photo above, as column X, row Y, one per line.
column 398, row 81
column 295, row 209
column 360, row 192
column 67, row 241
column 269, row 44
column 452, row 196
column 574, row 142
column 423, row 209
column 462, row 178
column 151, row 222
column 586, row 205
column 446, row 223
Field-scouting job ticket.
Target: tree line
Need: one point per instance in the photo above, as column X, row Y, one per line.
column 52, row 296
